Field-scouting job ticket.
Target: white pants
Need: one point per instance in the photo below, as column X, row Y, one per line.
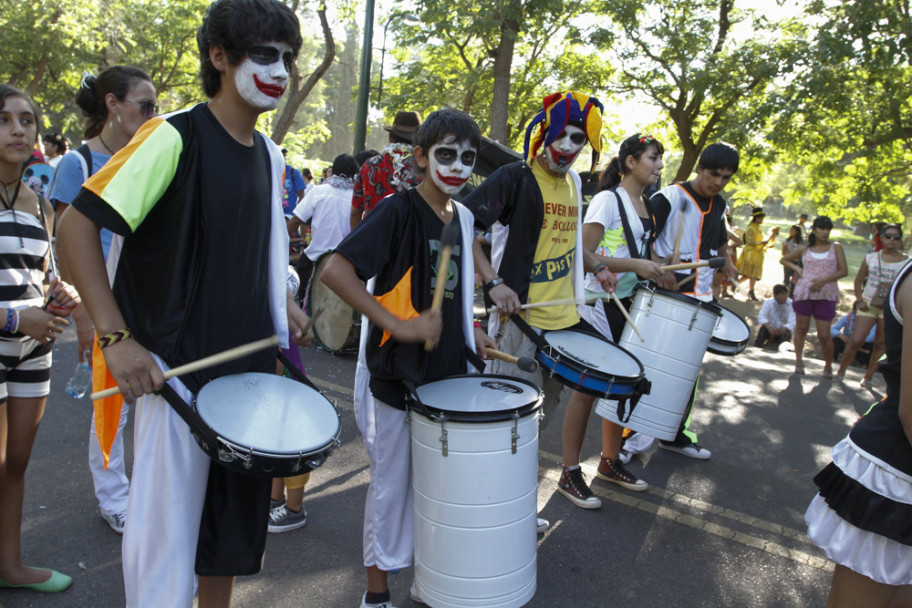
column 170, row 473
column 389, row 522
column 111, row 486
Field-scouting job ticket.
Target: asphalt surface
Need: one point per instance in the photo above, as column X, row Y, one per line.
column 727, row 532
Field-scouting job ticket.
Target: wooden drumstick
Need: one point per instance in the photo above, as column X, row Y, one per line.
column 562, row 302
column 686, row 280
column 676, row 254
column 624, row 312
column 449, row 237
column 717, row 262
column 526, row 364
column 223, row 357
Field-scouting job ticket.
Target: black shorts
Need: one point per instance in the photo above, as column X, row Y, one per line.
column 232, row 536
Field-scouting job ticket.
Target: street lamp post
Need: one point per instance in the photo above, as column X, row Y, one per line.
column 364, row 78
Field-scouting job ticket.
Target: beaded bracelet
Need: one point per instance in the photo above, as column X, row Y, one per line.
column 10, row 314
column 114, row 337
column 598, row 268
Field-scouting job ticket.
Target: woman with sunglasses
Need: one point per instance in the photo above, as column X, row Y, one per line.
column 877, row 272
column 116, row 103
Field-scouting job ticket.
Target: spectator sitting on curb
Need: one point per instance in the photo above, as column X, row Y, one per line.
column 776, row 319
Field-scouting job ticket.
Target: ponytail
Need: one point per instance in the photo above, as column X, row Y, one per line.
column 611, row 175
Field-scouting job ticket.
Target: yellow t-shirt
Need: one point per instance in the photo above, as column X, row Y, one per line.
column 552, row 267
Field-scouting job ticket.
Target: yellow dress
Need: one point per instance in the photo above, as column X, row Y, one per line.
column 750, row 264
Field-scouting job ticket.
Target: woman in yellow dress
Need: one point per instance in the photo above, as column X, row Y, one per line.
column 750, row 264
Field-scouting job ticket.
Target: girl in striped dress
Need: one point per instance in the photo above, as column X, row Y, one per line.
column 30, row 319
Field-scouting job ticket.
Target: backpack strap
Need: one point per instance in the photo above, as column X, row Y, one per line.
column 85, row 159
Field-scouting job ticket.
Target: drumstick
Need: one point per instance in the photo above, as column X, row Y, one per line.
column 449, row 236
column 686, row 280
column 717, row 262
column 676, row 254
column 526, row 364
column 310, row 323
column 624, row 312
column 223, row 357
column 563, row 302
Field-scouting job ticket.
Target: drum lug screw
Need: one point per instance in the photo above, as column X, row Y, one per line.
column 693, row 320
column 515, row 432
column 443, row 436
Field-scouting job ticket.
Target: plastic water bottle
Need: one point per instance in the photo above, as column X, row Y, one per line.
column 80, row 380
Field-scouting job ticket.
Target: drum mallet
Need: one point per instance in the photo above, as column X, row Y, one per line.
column 717, row 262
column 526, row 364
column 449, row 237
column 223, row 357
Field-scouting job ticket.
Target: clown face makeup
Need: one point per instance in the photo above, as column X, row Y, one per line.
column 450, row 164
column 261, row 77
column 561, row 154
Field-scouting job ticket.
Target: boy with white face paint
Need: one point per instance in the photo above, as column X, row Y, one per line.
column 535, row 208
column 188, row 183
column 405, row 270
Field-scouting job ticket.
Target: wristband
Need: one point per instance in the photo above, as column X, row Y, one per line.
column 114, row 337
column 15, row 328
column 493, row 283
column 598, row 268
column 477, row 324
column 10, row 314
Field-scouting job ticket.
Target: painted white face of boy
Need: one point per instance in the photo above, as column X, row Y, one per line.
column 561, row 154
column 450, row 164
column 262, row 76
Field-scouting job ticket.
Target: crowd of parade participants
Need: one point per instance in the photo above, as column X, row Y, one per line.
column 141, row 211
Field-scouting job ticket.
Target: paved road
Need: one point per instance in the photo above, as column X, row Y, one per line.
column 727, row 532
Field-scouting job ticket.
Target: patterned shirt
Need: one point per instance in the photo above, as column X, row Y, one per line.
column 390, row 171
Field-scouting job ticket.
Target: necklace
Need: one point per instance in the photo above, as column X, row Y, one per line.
column 107, row 147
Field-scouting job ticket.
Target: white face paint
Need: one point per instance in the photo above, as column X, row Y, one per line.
column 561, row 154
column 450, row 164
column 261, row 77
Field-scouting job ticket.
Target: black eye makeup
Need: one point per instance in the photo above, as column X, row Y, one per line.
column 267, row 55
column 447, row 156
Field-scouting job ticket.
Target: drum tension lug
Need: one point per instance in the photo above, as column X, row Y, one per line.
column 297, row 465
column 515, row 432
column 443, row 436
column 693, row 320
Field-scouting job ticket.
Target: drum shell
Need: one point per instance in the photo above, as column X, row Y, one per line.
column 297, row 428
column 672, row 352
column 731, row 335
column 338, row 327
column 475, row 510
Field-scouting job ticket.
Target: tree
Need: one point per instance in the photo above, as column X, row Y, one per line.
column 855, row 138
column 710, row 66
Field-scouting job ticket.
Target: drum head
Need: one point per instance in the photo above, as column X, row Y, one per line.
column 334, row 325
column 594, row 353
column 482, row 397
column 268, row 413
column 731, row 328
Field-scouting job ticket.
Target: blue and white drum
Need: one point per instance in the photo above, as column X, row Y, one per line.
column 475, row 486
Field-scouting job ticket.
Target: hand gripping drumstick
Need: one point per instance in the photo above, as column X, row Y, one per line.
column 717, row 262
column 526, row 364
column 449, row 237
column 223, row 357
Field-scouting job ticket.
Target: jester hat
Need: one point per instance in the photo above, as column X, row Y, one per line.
column 558, row 111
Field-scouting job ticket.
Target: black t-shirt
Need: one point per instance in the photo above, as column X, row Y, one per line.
column 375, row 255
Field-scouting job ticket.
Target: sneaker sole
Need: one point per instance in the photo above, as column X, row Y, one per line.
column 279, row 529
column 596, row 504
column 702, row 455
column 636, row 487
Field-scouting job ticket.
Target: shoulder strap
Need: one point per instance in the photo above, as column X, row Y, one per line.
column 85, row 159
column 634, row 251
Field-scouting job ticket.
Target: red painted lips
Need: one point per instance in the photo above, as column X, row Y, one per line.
column 452, row 181
column 272, row 90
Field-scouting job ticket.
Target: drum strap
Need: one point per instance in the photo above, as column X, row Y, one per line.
column 530, row 333
column 293, row 370
column 185, row 411
column 476, row 361
column 628, row 233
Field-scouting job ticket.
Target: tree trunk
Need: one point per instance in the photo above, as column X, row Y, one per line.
column 503, row 62
column 296, row 93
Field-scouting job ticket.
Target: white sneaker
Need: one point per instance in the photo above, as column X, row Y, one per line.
column 691, row 450
column 117, row 521
column 542, row 525
column 364, row 603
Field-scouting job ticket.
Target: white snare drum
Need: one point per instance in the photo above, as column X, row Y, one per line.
column 338, row 327
column 731, row 334
column 475, row 485
column 266, row 425
column 676, row 329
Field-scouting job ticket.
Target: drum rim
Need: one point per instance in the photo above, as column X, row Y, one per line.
column 614, row 378
column 356, row 317
column 245, row 448
column 435, row 414
column 711, row 306
column 726, row 341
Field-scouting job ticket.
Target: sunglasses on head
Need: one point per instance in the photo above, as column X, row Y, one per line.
column 147, row 108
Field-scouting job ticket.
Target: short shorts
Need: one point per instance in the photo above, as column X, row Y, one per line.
column 822, row 310
column 25, row 369
column 875, row 312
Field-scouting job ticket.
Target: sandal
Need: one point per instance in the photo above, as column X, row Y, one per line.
column 799, row 369
column 839, row 378
column 827, row 374
column 866, row 384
